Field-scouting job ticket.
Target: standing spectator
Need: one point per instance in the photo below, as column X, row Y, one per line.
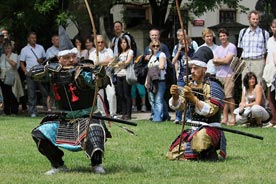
column 6, row 34
column 118, row 31
column 123, row 88
column 270, row 74
column 253, row 42
column 54, row 49
column 156, row 84
column 155, row 36
column 208, row 37
column 222, row 60
column 105, row 57
column 8, row 61
column 32, row 54
column 89, row 47
column 51, row 53
column 78, row 44
column 179, row 62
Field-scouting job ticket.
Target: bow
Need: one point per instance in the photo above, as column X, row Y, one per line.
column 97, row 58
column 187, row 74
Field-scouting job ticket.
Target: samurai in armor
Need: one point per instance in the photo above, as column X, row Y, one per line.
column 73, row 85
column 203, row 96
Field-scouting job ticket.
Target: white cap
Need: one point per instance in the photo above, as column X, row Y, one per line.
column 66, row 52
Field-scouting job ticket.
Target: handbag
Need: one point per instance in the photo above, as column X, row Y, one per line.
column 131, row 78
column 9, row 78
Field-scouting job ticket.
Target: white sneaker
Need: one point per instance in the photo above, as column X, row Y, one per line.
column 98, row 169
column 134, row 109
column 33, row 115
column 177, row 122
column 144, row 108
column 114, row 116
column 268, row 125
column 56, row 170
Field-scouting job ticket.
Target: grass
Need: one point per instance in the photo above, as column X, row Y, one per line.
column 130, row 159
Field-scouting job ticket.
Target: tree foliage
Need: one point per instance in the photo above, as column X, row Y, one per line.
column 43, row 16
column 198, row 7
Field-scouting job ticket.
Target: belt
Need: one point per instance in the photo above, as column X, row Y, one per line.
column 254, row 58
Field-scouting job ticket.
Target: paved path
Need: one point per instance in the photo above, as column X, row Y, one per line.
column 146, row 115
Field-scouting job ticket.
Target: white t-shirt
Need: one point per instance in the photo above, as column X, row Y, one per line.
column 103, row 54
column 271, row 48
column 122, row 58
column 154, row 62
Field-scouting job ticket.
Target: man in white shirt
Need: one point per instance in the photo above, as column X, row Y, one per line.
column 105, row 57
column 54, row 49
column 32, row 54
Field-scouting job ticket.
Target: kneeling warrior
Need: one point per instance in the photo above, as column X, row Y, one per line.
column 73, row 86
column 202, row 94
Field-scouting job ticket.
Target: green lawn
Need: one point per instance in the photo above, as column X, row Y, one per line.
column 130, row 159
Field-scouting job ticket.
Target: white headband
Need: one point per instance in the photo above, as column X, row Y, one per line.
column 66, row 52
column 198, row 63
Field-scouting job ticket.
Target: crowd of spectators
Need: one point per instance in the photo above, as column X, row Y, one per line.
column 121, row 96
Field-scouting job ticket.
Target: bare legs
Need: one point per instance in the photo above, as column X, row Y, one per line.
column 229, row 107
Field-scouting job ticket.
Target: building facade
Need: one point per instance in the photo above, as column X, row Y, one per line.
column 136, row 16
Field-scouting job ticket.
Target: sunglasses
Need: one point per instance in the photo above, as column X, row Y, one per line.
column 156, row 46
column 100, row 42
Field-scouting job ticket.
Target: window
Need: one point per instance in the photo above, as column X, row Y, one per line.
column 226, row 16
column 134, row 16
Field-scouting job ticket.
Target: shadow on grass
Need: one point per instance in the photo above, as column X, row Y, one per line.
column 111, row 170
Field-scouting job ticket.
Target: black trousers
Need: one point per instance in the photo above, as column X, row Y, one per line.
column 9, row 99
column 124, row 92
column 54, row 154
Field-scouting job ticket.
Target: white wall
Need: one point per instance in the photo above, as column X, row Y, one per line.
column 211, row 18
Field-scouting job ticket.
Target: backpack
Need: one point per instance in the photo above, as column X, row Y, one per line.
column 133, row 44
column 141, row 69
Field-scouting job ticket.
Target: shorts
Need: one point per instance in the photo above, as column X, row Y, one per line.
column 228, row 86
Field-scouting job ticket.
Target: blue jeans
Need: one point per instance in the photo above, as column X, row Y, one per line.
column 159, row 109
column 178, row 114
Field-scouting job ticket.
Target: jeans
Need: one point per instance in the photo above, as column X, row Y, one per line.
column 159, row 108
column 32, row 99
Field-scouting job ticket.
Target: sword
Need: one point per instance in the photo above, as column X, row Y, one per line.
column 199, row 124
column 63, row 114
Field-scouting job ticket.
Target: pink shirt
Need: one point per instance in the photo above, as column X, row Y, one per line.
column 222, row 52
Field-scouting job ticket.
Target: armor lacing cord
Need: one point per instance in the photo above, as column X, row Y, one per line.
column 68, row 101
